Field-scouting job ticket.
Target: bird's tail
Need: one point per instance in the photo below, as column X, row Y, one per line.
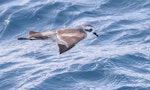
column 34, row 34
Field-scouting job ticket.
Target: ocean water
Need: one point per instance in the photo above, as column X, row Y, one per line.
column 117, row 60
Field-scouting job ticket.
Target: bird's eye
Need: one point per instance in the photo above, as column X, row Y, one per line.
column 91, row 30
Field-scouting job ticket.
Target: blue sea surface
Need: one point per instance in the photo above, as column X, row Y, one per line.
column 119, row 59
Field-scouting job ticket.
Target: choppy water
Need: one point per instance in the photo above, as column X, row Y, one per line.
column 118, row 60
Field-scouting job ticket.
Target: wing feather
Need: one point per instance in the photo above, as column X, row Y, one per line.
column 70, row 38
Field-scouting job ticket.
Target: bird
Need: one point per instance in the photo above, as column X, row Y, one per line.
column 65, row 38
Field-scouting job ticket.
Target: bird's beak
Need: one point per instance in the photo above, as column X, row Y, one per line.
column 95, row 34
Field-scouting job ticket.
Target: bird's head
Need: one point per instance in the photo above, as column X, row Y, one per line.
column 89, row 28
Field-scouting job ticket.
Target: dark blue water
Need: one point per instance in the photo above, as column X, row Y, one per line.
column 118, row 60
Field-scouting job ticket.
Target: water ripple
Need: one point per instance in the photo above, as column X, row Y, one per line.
column 117, row 60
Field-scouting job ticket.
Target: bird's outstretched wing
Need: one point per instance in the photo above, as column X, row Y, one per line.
column 63, row 48
column 70, row 39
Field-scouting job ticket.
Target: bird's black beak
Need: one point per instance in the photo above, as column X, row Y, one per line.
column 95, row 34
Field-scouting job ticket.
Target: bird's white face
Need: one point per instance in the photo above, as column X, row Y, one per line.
column 88, row 28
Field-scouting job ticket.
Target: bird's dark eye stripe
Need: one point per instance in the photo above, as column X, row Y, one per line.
column 89, row 30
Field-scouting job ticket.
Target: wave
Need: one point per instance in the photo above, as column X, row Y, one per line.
column 118, row 60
